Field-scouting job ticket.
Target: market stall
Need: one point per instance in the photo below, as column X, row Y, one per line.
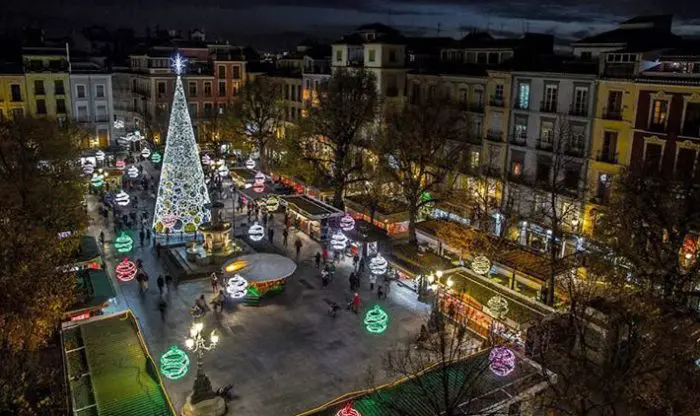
column 411, row 264
column 320, row 189
column 310, row 215
column 365, row 238
column 391, row 216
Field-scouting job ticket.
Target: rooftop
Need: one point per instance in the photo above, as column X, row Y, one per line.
column 310, row 207
column 94, row 288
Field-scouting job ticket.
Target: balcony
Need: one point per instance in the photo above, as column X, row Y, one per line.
column 657, row 127
column 606, row 157
column 355, row 62
column 544, row 145
column 496, row 101
column 494, row 135
column 40, row 91
column 578, row 111
column 691, row 129
column 548, row 106
column 574, row 151
column 16, row 98
column 518, row 140
column 60, row 91
column 614, row 113
column 476, row 107
column 521, row 106
column 492, row 171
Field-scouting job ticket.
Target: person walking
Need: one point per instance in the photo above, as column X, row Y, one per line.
column 325, row 255
column 271, row 235
column 324, row 277
column 351, row 279
column 214, row 282
column 380, row 292
column 298, row 245
column 201, row 304
column 160, row 282
column 355, row 304
column 145, row 282
column 355, row 261
column 318, row 259
column 102, row 238
column 162, row 306
column 142, row 236
column 285, row 236
column 372, row 280
column 218, row 301
column 361, row 268
column 168, row 282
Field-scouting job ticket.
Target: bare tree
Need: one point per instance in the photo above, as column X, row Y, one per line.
column 421, row 144
column 337, row 130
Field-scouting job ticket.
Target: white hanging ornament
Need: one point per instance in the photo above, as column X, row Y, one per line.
column 272, row 203
column 122, row 199
column 146, row 152
column 206, row 159
column 497, row 306
column 88, row 169
column 481, row 265
column 259, row 178
column 223, row 171
column 339, row 241
column 378, row 265
column 133, row 172
column 100, row 155
column 347, row 223
column 256, row 232
column 237, row 286
column 250, row 163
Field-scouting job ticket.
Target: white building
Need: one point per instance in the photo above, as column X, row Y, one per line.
column 92, row 100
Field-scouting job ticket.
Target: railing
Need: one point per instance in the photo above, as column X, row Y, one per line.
column 16, row 98
column 496, row 101
column 574, row 151
column 60, row 91
column 518, row 140
column 548, row 107
column 657, row 127
column 691, row 130
column 476, row 107
column 494, row 135
column 541, row 145
column 607, row 157
column 578, row 111
column 612, row 113
column 40, row 91
column 521, row 106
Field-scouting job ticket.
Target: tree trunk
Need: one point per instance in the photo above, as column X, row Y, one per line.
column 412, row 215
column 263, row 155
column 338, row 196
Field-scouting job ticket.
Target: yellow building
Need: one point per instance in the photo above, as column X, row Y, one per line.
column 13, row 94
column 611, row 145
column 47, row 82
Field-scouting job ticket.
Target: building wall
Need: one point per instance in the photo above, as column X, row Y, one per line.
column 494, row 154
column 9, row 105
column 50, row 96
column 93, row 106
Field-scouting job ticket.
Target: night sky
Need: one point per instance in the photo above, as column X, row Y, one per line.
column 248, row 20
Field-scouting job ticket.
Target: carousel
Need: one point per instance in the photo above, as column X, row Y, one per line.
column 264, row 274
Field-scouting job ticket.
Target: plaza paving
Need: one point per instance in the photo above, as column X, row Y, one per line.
column 283, row 357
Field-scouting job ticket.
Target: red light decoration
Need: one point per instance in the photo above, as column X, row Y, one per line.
column 120, row 164
column 258, row 188
column 126, row 270
column 348, row 410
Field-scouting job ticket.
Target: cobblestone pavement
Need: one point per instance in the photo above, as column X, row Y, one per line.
column 284, row 357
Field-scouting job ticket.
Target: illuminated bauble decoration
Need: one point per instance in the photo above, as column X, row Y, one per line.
column 88, row 169
column 237, row 286
column 481, row 265
column 118, row 124
column 169, row 221
column 206, row 159
column 174, row 364
column 156, row 157
column 376, row 320
column 256, row 232
column 133, row 172
column 100, row 155
column 272, row 203
column 378, row 264
column 348, row 410
column 497, row 306
column 120, row 164
column 501, row 361
column 223, row 171
column 259, row 178
column 124, row 243
column 97, row 180
column 122, row 199
column 146, row 152
column 125, row 270
column 347, row 223
column 258, row 188
column 339, row 241
column 250, row 163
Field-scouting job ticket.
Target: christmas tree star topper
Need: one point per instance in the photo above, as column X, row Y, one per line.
column 178, row 64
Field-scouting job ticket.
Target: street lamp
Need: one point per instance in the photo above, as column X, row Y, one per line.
column 197, row 343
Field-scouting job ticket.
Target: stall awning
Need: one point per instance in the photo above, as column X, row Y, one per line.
column 365, row 231
column 95, row 289
column 407, row 258
column 311, row 208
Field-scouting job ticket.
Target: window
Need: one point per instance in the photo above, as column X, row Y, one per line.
column 481, row 57
column 339, row 55
column 60, row 106
column 222, row 108
column 520, row 130
column 578, row 137
column 471, row 57
column 614, row 102
column 100, row 91
column 16, row 92
column 192, row 89
column 372, row 55
column 101, row 113
column 652, row 158
column 474, row 159
column 495, row 123
column 499, row 92
column 415, row 93
column 431, row 92
column 234, row 91
column 550, row 98
column 80, row 91
column 609, row 150
column 39, row 87
column 685, row 160
column 222, row 71
column 493, row 58
column 691, row 121
column 546, row 133
column 207, row 89
column 298, row 113
column 543, row 169
column 571, row 177
column 586, row 56
column 479, row 98
column 82, row 113
column 222, row 88
column 193, row 109
column 580, row 101
column 236, row 72
column 58, row 87
column 286, row 91
column 41, row 106
column 299, row 93
column 516, row 164
column 524, row 95
column 602, row 191
column 102, row 135
column 161, row 88
column 659, row 114
column 208, row 109
column 392, row 55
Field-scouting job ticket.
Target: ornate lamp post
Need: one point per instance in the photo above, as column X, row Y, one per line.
column 197, row 343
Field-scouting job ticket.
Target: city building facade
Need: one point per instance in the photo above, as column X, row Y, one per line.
column 92, row 101
column 47, row 82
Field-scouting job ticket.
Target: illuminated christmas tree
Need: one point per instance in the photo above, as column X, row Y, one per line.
column 182, row 203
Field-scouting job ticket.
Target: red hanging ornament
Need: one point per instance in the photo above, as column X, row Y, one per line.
column 126, row 270
column 348, row 410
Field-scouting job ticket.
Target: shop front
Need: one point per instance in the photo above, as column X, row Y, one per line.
column 411, row 265
column 365, row 239
column 311, row 216
column 319, row 189
column 391, row 217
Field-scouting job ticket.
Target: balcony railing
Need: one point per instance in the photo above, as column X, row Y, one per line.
column 612, row 113
column 16, row 98
column 496, row 101
column 607, row 157
column 578, row 111
column 476, row 107
column 548, row 107
column 518, row 140
column 521, row 106
column 574, row 151
column 691, row 130
column 60, row 91
column 543, row 145
column 657, row 127
column 494, row 135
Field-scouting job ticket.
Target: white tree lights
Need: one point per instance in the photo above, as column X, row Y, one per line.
column 256, row 232
column 378, row 265
column 182, row 194
column 146, row 152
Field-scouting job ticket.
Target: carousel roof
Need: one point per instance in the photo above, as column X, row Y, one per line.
column 260, row 266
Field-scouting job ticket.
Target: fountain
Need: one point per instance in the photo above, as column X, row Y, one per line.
column 216, row 244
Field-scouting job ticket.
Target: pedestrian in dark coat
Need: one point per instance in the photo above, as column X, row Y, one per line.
column 160, row 282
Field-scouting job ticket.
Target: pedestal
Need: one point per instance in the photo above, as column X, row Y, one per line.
column 215, row 406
